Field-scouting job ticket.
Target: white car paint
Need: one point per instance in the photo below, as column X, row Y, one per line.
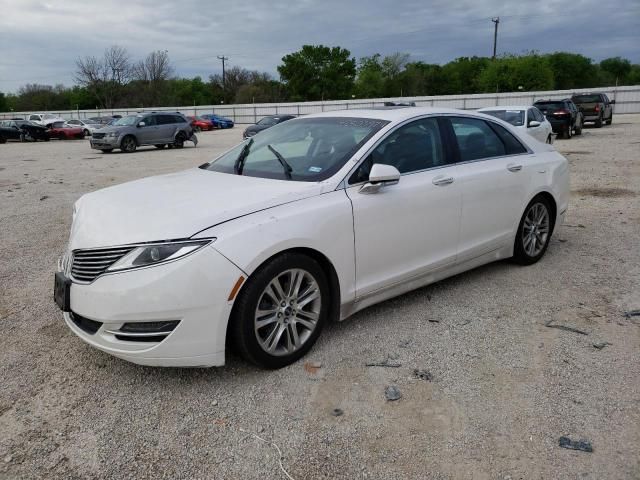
column 88, row 127
column 541, row 128
column 380, row 244
column 45, row 119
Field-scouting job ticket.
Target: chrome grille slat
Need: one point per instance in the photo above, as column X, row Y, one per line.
column 88, row 264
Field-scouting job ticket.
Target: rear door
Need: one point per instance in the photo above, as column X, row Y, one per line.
column 494, row 176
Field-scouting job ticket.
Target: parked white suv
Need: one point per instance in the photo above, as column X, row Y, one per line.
column 45, row 119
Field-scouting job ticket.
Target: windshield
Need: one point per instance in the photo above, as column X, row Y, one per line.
column 594, row 98
column 126, row 121
column 315, row 148
column 266, row 121
column 514, row 117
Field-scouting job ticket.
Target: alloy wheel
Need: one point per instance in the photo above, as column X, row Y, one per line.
column 288, row 312
column 535, row 231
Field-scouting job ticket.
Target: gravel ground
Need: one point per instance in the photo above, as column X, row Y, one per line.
column 499, row 389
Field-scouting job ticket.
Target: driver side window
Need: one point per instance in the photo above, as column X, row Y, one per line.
column 413, row 147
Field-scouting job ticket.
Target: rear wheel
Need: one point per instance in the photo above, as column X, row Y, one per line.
column 281, row 310
column 128, row 144
column 161, row 146
column 179, row 141
column 610, row 120
column 86, row 132
column 568, row 132
column 579, row 128
column 534, row 232
column 599, row 122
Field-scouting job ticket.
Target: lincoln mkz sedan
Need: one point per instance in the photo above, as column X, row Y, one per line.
column 310, row 221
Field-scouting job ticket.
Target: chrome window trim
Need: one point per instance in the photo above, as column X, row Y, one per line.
column 344, row 183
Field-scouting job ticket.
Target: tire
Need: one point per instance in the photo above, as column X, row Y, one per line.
column 106, row 150
column 549, row 139
column 272, row 344
column 23, row 137
column 160, row 147
column 86, row 132
column 579, row 129
column 128, row 144
column 197, row 129
column 610, row 120
column 534, row 232
column 179, row 140
column 3, row 140
column 599, row 122
column 46, row 139
column 568, row 132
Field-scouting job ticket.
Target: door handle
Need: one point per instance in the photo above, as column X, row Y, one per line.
column 514, row 168
column 441, row 181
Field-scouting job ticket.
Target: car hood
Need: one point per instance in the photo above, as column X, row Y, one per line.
column 176, row 205
column 255, row 128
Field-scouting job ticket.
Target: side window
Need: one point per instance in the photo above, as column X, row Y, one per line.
column 164, row 119
column 151, row 120
column 511, row 143
column 531, row 115
column 605, row 98
column 476, row 139
column 412, row 147
column 34, row 117
column 538, row 114
column 178, row 119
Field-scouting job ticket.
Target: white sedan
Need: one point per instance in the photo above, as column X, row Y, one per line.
column 310, row 221
column 87, row 126
column 527, row 119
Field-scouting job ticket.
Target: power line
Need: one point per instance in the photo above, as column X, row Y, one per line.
column 223, row 58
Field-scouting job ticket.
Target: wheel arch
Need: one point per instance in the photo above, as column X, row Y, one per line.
column 547, row 195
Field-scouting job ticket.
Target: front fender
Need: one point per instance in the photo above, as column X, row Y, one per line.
column 323, row 223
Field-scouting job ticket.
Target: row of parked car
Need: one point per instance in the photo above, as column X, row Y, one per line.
column 45, row 126
column 561, row 117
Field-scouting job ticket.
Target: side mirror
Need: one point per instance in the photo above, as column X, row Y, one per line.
column 141, row 124
column 612, row 102
column 381, row 175
column 533, row 123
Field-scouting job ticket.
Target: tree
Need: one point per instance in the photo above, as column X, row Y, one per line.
column 105, row 77
column 572, row 70
column 511, row 73
column 4, row 104
column 463, row 75
column 317, row 72
column 152, row 74
column 370, row 80
column 618, row 68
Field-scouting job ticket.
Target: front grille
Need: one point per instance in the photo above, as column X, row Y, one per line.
column 85, row 324
column 89, row 264
column 97, row 135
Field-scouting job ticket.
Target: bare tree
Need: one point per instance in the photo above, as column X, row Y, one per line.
column 104, row 77
column 155, row 68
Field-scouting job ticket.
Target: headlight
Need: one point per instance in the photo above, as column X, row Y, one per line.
column 112, row 134
column 155, row 253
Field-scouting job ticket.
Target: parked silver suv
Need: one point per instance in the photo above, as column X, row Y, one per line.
column 132, row 131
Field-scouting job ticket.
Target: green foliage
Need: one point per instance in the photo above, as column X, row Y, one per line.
column 318, row 72
column 512, row 73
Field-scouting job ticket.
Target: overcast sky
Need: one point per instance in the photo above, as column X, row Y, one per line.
column 40, row 40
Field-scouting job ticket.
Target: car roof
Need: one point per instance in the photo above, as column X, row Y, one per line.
column 505, row 107
column 392, row 114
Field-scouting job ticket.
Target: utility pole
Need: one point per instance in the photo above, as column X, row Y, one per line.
column 223, row 58
column 496, row 21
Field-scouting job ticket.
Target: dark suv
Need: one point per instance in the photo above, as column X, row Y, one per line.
column 132, row 131
column 596, row 107
column 563, row 115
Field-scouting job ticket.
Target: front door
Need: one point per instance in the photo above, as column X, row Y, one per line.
column 406, row 230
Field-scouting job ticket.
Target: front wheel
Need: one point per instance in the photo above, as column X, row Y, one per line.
column 534, row 232
column 179, row 141
column 281, row 310
column 128, row 144
column 599, row 122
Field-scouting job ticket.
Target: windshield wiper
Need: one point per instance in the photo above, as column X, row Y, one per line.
column 283, row 162
column 239, row 165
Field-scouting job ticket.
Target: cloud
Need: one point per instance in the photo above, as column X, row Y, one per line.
column 41, row 40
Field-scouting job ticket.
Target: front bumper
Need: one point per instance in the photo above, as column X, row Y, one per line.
column 193, row 290
column 105, row 142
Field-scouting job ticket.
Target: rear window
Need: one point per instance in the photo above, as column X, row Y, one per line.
column 514, row 117
column 593, row 98
column 550, row 107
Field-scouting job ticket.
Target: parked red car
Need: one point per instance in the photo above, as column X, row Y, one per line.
column 63, row 131
column 200, row 124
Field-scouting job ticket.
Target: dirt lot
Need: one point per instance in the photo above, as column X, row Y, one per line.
column 502, row 387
